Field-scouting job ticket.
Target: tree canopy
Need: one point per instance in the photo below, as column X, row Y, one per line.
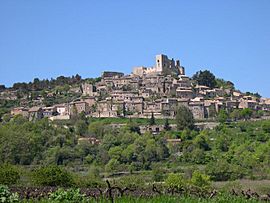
column 205, row 78
column 184, row 118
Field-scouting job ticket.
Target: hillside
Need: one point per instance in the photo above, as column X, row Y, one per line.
column 156, row 90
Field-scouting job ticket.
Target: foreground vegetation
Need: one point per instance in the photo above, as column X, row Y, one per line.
column 231, row 151
column 76, row 195
column 187, row 164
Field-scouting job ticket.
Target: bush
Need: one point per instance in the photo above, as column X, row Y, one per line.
column 158, row 174
column 9, row 175
column 53, row 176
column 71, row 195
column 175, row 182
column 223, row 171
column 6, row 196
column 112, row 165
column 200, row 180
column 131, row 181
column 92, row 179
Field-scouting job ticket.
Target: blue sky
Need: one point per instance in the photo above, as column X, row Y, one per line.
column 49, row 38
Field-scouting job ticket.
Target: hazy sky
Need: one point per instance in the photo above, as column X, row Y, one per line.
column 48, row 38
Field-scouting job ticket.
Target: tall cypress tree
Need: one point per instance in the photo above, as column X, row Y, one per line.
column 152, row 120
column 167, row 126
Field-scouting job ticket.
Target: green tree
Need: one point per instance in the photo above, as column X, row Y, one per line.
column 152, row 120
column 53, row 176
column 246, row 113
column 205, row 78
column 175, row 182
column 167, row 126
column 115, row 152
column 220, row 83
column 221, row 170
column 184, row 118
column 222, row 116
column 9, row 174
column 81, row 127
column 97, row 129
column 200, row 180
column 112, row 165
column 266, row 126
column 235, row 114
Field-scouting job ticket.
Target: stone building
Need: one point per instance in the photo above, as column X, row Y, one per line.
column 78, row 107
column 49, row 111
column 62, row 109
column 88, row 89
column 111, row 74
column 35, row 113
column 249, row 102
column 163, row 65
column 197, row 109
column 20, row 111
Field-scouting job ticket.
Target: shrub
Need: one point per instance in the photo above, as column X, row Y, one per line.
column 200, row 180
column 223, row 171
column 53, row 176
column 112, row 165
column 175, row 182
column 9, row 175
column 71, row 195
column 266, row 127
column 131, row 181
column 6, row 196
column 158, row 174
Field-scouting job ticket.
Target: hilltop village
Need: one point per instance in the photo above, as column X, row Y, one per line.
column 147, row 91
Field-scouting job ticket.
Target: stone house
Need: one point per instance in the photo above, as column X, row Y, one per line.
column 169, row 107
column 20, row 111
column 184, row 93
column 111, row 74
column 123, row 95
column 88, row 89
column 62, row 109
column 35, row 113
column 77, row 107
column 153, row 129
column 231, row 105
column 121, row 82
column 91, row 101
column 109, row 108
column 91, row 140
column 197, row 109
column 135, row 104
column 265, row 104
column 49, row 111
column 249, row 102
column 75, row 90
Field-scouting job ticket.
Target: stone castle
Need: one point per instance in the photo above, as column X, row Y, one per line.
column 163, row 65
